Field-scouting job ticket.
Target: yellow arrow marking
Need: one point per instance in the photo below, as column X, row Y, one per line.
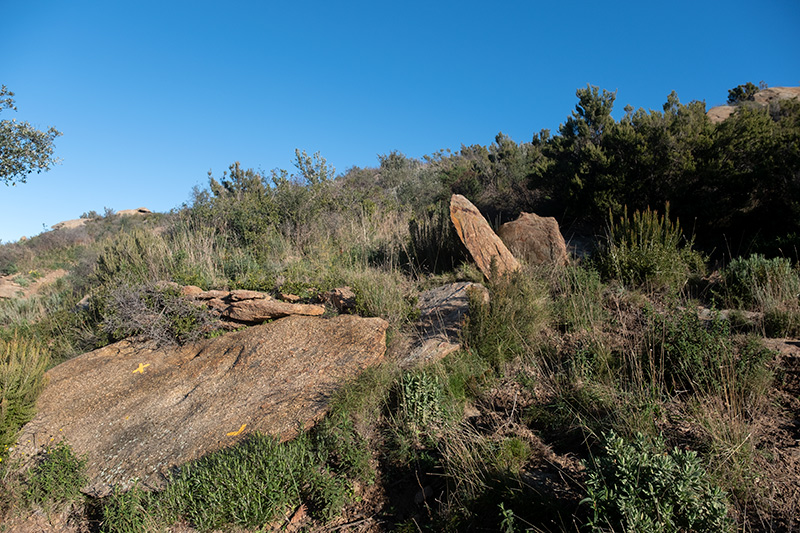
column 234, row 433
column 141, row 368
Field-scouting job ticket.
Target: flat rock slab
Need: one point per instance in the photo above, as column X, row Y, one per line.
column 137, row 412
column 442, row 314
column 482, row 242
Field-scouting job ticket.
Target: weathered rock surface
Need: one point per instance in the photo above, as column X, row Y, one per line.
column 720, row 113
column 771, row 94
column 442, row 314
column 535, row 238
column 257, row 311
column 138, row 412
column 479, row 238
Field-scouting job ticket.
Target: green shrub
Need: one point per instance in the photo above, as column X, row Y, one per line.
column 762, row 284
column 158, row 312
column 641, row 487
column 136, row 257
column 685, row 354
column 57, row 476
column 22, row 367
column 647, row 250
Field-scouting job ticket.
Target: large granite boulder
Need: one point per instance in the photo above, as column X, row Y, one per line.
column 137, row 411
column 482, row 242
column 535, row 238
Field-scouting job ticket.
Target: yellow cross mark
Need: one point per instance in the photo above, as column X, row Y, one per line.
column 141, row 368
column 234, row 433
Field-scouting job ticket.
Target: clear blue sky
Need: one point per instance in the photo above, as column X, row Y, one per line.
column 151, row 95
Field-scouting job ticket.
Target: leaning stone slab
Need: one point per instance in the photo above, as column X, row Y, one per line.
column 479, row 238
column 137, row 412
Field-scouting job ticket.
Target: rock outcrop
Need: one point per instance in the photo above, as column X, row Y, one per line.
column 442, row 314
column 138, row 211
column 70, row 224
column 762, row 98
column 249, row 307
column 535, row 238
column 482, row 242
column 137, row 412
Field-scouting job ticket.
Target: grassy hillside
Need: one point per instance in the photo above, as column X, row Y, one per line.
column 588, row 396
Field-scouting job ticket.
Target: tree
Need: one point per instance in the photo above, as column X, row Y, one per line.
column 742, row 93
column 23, row 148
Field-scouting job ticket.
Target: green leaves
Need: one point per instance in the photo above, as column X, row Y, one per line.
column 23, row 148
column 639, row 486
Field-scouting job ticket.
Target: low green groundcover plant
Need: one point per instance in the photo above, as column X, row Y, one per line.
column 641, row 487
column 57, row 477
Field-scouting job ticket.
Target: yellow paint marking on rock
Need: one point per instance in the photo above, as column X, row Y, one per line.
column 234, row 433
column 141, row 368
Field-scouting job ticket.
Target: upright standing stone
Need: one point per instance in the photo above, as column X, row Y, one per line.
column 483, row 244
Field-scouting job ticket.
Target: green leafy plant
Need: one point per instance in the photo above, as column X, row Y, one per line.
column 254, row 483
column 642, row 487
column 23, row 148
column 685, row 354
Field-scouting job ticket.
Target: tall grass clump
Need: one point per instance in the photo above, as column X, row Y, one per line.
column 647, row 250
column 22, row 366
column 127, row 511
column 509, row 325
column 685, row 354
column 577, row 293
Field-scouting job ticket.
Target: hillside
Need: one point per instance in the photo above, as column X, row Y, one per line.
column 649, row 382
